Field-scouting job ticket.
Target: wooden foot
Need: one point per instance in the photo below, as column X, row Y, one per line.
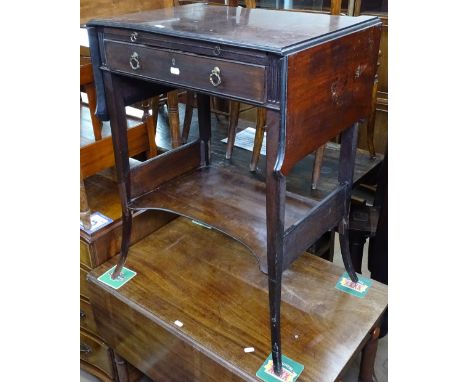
column 126, row 233
column 259, row 134
column 233, row 120
column 317, row 166
column 345, row 252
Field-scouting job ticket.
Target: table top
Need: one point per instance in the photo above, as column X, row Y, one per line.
column 265, row 29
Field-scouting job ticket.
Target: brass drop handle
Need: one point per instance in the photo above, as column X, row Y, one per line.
column 215, row 76
column 135, row 61
column 82, row 315
column 85, row 348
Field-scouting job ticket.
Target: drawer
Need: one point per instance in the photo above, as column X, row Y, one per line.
column 85, row 255
column 239, row 80
column 87, row 316
column 84, row 270
column 96, row 353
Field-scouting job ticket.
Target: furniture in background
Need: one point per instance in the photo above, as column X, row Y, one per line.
column 304, row 62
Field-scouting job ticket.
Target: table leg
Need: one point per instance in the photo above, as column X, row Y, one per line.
column 345, row 177
column 118, row 122
column 275, row 209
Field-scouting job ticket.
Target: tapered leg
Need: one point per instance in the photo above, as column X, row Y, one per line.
column 345, row 177
column 275, row 196
column 317, row 166
column 259, row 133
column 368, row 357
column 234, row 107
column 118, row 122
column 188, row 115
column 173, row 112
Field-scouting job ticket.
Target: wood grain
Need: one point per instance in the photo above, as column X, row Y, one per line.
column 213, row 286
column 341, row 87
column 90, row 9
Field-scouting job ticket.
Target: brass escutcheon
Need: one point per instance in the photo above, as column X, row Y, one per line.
column 133, row 36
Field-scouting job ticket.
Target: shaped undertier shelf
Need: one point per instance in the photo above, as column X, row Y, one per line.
column 226, row 200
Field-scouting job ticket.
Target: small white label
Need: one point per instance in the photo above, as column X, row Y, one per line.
column 249, row 350
column 178, row 323
column 175, row 71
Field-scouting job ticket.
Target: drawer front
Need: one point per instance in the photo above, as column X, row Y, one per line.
column 239, row 80
column 96, row 353
column 84, row 291
column 85, row 256
column 87, row 316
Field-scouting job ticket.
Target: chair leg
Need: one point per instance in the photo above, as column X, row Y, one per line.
column 150, row 124
column 95, row 121
column 317, row 166
column 188, row 116
column 259, row 134
column 371, row 121
column 369, row 353
column 234, row 107
column 85, row 212
column 173, row 112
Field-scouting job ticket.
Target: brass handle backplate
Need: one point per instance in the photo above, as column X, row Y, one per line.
column 215, row 76
column 135, row 61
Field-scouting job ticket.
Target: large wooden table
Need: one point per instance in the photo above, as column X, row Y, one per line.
column 212, row 284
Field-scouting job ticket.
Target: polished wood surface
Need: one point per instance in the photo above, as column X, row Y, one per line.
column 235, row 26
column 212, row 284
column 341, row 88
column 193, row 71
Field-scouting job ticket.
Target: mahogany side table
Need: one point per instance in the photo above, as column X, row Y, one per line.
column 313, row 73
